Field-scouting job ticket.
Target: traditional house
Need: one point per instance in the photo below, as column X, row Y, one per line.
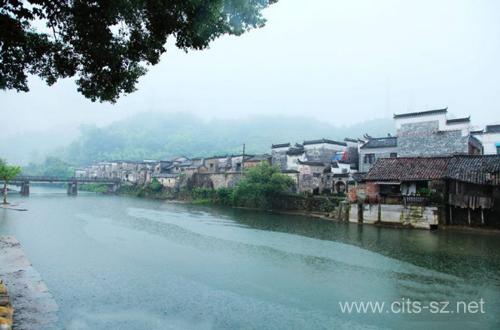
column 163, row 166
column 311, row 177
column 80, row 173
column 392, row 178
column 211, row 164
column 237, row 162
column 322, row 150
column 376, row 148
column 431, row 133
column 474, row 190
column 168, row 180
column 466, row 188
column 352, row 153
column 256, row 160
column 278, row 155
column 294, row 155
column 490, row 138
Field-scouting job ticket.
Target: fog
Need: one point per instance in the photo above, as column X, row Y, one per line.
column 341, row 62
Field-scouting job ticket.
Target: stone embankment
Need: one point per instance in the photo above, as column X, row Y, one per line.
column 26, row 300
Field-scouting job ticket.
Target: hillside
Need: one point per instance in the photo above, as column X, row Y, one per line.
column 160, row 136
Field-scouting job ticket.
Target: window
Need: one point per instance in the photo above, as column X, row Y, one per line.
column 369, row 158
column 394, row 155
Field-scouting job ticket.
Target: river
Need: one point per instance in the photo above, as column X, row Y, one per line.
column 123, row 263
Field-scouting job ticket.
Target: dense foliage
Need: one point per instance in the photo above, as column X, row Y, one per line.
column 260, row 185
column 108, row 44
column 94, row 187
column 52, row 166
column 152, row 190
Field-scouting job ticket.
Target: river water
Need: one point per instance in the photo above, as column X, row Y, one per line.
column 123, row 263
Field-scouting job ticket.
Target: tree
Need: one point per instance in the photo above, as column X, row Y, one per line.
column 7, row 173
column 261, row 184
column 109, row 44
column 52, row 166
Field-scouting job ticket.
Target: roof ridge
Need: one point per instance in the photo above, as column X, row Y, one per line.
column 420, row 113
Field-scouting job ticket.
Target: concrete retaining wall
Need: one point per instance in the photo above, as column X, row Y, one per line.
column 413, row 216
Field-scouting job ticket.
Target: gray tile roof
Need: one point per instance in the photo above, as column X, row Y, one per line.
column 483, row 169
column 476, row 169
column 408, row 169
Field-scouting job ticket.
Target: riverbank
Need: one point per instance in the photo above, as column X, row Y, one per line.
column 34, row 306
column 318, row 206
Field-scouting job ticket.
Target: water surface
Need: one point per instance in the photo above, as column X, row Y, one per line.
column 123, row 263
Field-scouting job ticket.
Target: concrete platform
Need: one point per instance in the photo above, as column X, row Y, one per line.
column 34, row 306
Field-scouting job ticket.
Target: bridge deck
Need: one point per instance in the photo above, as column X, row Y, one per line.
column 51, row 179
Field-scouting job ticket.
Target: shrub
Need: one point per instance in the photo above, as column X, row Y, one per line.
column 261, row 184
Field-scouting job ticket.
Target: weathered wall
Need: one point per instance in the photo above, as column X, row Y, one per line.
column 214, row 180
column 322, row 152
column 414, row 216
column 371, row 190
column 279, row 158
column 425, row 139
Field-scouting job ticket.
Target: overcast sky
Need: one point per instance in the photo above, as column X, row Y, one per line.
column 338, row 61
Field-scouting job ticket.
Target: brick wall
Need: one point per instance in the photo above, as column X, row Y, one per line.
column 425, row 139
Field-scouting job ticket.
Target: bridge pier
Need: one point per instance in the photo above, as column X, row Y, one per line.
column 113, row 189
column 72, row 188
column 25, row 188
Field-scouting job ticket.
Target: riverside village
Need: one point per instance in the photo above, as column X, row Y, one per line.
column 434, row 172
column 249, row 164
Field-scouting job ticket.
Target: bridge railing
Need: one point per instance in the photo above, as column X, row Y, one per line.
column 34, row 178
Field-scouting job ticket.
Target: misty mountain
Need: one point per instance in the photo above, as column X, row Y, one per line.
column 161, row 136
column 34, row 146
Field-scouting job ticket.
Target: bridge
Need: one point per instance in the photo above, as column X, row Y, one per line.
column 24, row 182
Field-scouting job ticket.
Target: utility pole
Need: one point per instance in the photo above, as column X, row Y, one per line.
column 243, row 160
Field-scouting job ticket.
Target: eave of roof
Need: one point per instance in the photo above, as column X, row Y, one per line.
column 383, row 142
column 320, row 141
column 420, row 113
column 492, row 129
column 458, row 120
column 280, row 145
column 311, row 163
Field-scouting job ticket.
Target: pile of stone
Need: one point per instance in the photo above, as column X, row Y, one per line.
column 6, row 310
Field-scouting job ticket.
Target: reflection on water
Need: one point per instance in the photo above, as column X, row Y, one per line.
column 122, row 263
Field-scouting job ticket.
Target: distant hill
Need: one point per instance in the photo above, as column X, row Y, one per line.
column 160, row 136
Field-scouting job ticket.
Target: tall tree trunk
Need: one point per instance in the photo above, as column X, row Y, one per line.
column 5, row 192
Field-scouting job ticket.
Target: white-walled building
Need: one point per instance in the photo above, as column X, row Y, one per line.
column 490, row 138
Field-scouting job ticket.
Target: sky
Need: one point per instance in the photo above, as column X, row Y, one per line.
column 342, row 62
